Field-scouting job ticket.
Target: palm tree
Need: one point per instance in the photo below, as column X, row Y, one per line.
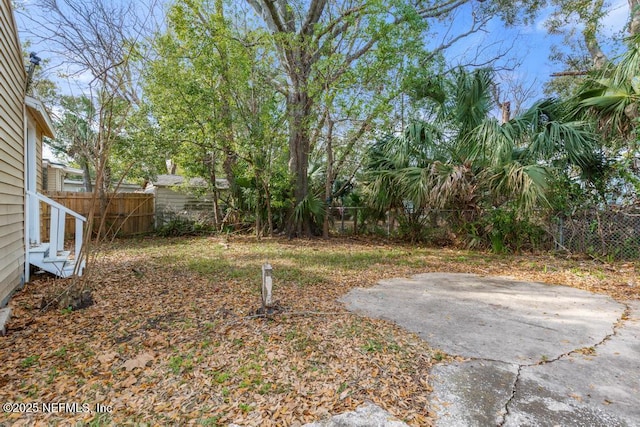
column 611, row 98
column 464, row 159
column 612, row 95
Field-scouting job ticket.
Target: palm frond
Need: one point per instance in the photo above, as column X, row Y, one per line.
column 490, row 143
column 415, row 185
column 310, row 207
column 629, row 65
column 473, row 100
column 526, row 184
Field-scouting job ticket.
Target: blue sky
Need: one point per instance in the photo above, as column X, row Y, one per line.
column 528, row 46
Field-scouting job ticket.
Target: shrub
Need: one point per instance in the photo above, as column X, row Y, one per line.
column 184, row 227
column 504, row 230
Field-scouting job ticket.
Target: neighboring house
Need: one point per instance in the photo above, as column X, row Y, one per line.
column 56, row 175
column 176, row 197
column 23, row 123
column 59, row 177
column 76, row 185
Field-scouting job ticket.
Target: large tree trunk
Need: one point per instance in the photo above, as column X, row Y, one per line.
column 598, row 56
column 216, row 194
column 297, row 53
column 86, row 176
column 505, row 106
column 299, row 110
column 590, row 32
column 329, row 179
column 267, row 194
column 258, row 218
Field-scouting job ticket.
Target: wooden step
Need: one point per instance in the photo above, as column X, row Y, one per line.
column 61, row 256
column 41, row 248
column 60, row 265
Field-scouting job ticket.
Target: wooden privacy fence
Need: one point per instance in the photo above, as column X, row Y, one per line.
column 127, row 214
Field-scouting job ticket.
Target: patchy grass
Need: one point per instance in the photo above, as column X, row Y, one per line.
column 172, row 338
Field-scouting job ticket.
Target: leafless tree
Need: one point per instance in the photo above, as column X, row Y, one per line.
column 94, row 43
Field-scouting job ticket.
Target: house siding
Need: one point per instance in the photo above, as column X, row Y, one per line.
column 55, row 178
column 169, row 200
column 170, row 203
column 39, row 171
column 12, row 84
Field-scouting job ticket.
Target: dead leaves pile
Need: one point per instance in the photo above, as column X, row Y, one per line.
column 172, row 339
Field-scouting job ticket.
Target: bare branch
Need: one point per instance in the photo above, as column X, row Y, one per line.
column 441, row 9
column 268, row 11
column 333, row 28
column 313, row 16
column 94, row 36
column 477, row 25
column 491, row 60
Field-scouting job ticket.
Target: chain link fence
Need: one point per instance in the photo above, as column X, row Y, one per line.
column 344, row 220
column 436, row 225
column 610, row 234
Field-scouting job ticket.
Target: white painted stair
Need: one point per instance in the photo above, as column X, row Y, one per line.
column 52, row 256
column 59, row 263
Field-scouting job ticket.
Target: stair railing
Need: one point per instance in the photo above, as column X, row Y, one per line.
column 57, row 223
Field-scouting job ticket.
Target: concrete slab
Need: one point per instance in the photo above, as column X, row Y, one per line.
column 367, row 415
column 491, row 318
column 536, row 404
column 602, row 385
column 472, row 393
column 540, row 355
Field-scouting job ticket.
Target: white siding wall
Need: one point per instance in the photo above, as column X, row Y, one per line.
column 12, row 83
column 170, row 202
column 39, row 170
column 55, row 178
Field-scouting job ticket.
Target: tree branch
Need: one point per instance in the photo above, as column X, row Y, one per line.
column 313, row 16
column 570, row 73
column 267, row 10
column 333, row 25
column 441, row 9
column 287, row 17
column 477, row 25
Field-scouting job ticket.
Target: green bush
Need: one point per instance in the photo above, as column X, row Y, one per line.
column 184, row 227
column 504, row 230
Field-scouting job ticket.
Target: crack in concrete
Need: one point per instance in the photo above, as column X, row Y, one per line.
column 616, row 326
column 514, row 387
column 626, row 313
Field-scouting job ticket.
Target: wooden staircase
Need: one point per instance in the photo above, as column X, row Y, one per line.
column 52, row 256
column 61, row 264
